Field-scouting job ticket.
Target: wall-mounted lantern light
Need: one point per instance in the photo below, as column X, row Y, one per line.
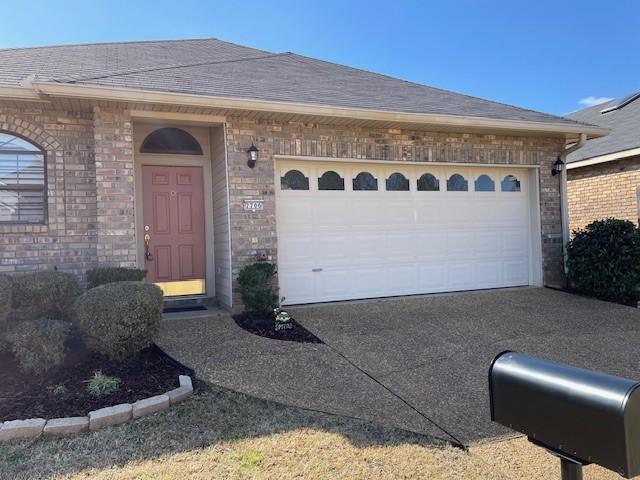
column 253, row 155
column 557, row 167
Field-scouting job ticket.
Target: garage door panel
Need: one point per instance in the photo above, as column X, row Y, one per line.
column 400, row 246
column 368, row 247
column 403, row 279
column 460, row 275
column 338, row 245
column 432, row 278
column 297, row 286
column 296, row 248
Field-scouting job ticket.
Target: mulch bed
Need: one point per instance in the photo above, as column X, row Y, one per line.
column 264, row 326
column 26, row 396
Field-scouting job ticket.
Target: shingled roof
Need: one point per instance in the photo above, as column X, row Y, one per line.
column 214, row 68
column 624, row 123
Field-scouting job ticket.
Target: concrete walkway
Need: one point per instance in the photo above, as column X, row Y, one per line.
column 430, row 352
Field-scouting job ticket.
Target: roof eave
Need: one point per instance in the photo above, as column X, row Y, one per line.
column 41, row 88
column 609, row 157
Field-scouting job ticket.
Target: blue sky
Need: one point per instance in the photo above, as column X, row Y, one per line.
column 541, row 54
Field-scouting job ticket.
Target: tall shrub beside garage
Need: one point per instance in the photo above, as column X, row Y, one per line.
column 604, row 261
column 257, row 287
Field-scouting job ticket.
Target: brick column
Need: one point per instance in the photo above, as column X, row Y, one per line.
column 113, row 141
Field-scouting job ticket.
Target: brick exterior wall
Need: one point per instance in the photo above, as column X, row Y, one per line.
column 603, row 190
column 91, row 197
column 68, row 239
column 252, row 231
column 113, row 141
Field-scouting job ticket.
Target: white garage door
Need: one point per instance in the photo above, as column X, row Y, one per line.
column 359, row 230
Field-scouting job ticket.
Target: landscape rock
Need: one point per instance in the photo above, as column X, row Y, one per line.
column 108, row 416
column 179, row 394
column 185, row 381
column 16, row 429
column 66, row 426
column 150, row 405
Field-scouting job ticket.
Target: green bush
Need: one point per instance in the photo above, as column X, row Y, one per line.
column 257, row 287
column 39, row 344
column 100, row 384
column 44, row 294
column 6, row 286
column 101, row 275
column 120, row 319
column 604, row 260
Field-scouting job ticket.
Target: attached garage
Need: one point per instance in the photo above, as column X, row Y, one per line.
column 352, row 230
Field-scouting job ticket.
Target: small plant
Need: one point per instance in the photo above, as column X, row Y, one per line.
column 57, row 389
column 39, row 344
column 44, row 294
column 604, row 260
column 102, row 275
column 120, row 319
column 100, row 384
column 257, row 287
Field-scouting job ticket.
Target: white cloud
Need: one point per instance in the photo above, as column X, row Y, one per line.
column 590, row 101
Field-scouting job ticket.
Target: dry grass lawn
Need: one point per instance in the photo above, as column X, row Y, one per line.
column 224, row 435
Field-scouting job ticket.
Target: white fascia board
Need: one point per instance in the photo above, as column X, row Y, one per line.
column 610, row 157
column 147, row 96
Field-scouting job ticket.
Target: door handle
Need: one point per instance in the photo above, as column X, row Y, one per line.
column 147, row 255
column 316, row 269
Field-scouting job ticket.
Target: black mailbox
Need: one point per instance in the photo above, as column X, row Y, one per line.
column 582, row 416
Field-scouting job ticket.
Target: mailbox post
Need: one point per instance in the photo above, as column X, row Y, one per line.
column 578, row 415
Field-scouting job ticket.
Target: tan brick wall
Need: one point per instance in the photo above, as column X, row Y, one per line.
column 113, row 140
column 252, row 231
column 603, row 190
column 68, row 240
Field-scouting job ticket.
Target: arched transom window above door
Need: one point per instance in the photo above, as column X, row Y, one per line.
column 171, row 140
column 22, row 180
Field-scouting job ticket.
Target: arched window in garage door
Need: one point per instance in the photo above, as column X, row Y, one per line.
column 457, row 183
column 428, row 183
column 484, row 183
column 397, row 182
column 510, row 184
column 294, row 180
column 365, row 181
column 330, row 181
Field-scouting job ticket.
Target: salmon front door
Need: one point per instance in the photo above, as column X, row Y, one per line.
column 173, row 232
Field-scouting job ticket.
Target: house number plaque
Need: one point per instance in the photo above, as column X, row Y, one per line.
column 253, row 205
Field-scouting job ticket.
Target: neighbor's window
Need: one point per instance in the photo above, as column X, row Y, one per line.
column 294, row 180
column 510, row 184
column 330, row 181
column 22, row 181
column 172, row 141
column 365, row 181
column 397, row 182
column 457, row 183
column 428, row 183
column 484, row 183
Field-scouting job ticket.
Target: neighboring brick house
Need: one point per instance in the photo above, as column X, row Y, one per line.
column 604, row 176
column 139, row 154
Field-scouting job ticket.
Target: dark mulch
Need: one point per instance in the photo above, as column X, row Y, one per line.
column 26, row 396
column 264, row 326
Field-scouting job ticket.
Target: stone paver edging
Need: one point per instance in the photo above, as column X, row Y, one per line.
column 96, row 419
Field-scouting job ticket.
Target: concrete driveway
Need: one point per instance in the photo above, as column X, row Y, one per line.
column 417, row 363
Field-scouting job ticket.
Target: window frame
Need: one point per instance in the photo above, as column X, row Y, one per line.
column 156, row 151
column 29, row 188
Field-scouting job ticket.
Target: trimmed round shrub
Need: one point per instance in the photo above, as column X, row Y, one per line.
column 257, row 287
column 604, row 261
column 102, row 275
column 39, row 344
column 44, row 294
column 120, row 319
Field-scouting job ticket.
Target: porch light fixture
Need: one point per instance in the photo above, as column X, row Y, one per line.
column 253, row 155
column 557, row 167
